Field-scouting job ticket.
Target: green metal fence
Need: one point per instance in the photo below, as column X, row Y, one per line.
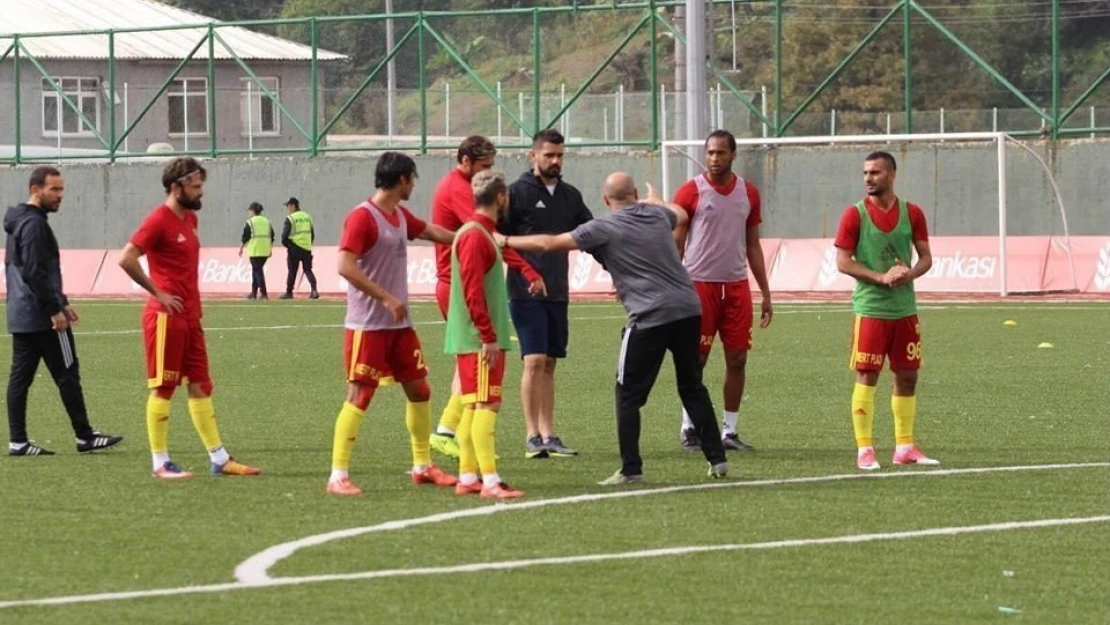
column 603, row 73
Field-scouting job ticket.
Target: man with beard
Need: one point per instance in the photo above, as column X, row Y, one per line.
column 478, row 335
column 40, row 316
column 176, row 352
column 875, row 243
column 540, row 202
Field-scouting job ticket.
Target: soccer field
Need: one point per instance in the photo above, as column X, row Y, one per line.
column 1014, row 525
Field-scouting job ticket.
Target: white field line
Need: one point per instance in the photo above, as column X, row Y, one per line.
column 252, row 573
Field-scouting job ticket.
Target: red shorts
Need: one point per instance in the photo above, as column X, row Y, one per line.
column 480, row 383
column 726, row 309
column 443, row 296
column 876, row 339
column 376, row 356
column 176, row 353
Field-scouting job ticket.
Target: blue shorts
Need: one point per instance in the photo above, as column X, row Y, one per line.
column 541, row 326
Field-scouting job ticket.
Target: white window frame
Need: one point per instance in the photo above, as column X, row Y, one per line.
column 188, row 89
column 83, row 90
column 251, row 98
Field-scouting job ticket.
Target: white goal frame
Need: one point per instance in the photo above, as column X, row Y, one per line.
column 1000, row 139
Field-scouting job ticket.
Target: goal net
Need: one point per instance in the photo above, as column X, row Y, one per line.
column 996, row 218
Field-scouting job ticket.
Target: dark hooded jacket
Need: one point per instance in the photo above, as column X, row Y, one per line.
column 33, row 270
column 534, row 210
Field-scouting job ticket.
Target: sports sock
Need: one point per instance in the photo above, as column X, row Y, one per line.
column 904, row 409
column 484, row 436
column 347, row 426
column 687, row 424
column 204, row 420
column 338, row 474
column 158, row 423
column 418, row 418
column 452, row 414
column 159, row 458
column 863, row 414
column 731, row 421
column 468, row 457
column 491, row 480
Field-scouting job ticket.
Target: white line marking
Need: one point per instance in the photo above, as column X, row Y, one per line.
column 256, row 568
column 556, row 561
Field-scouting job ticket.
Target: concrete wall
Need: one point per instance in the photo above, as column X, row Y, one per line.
column 142, row 79
column 805, row 189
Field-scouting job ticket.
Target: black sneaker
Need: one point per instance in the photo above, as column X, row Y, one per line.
column 30, row 449
column 314, row 295
column 690, row 440
column 534, row 448
column 286, row 296
column 555, row 447
column 733, row 442
column 98, row 442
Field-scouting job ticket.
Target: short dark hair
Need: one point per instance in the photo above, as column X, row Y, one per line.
column 476, row 148
column 883, row 156
column 487, row 185
column 255, row 208
column 40, row 174
column 722, row 134
column 548, row 135
column 180, row 168
column 391, row 167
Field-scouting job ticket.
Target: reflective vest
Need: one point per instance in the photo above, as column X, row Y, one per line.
column 261, row 243
column 300, row 229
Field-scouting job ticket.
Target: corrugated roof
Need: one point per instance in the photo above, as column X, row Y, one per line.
column 41, row 16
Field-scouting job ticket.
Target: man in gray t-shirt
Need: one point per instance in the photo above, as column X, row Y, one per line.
column 635, row 244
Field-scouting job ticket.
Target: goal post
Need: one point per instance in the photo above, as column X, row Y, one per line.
column 1000, row 140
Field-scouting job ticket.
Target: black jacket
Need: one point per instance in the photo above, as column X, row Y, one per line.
column 533, row 210
column 33, row 269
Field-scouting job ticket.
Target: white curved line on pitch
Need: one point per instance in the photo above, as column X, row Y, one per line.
column 255, row 570
column 555, row 561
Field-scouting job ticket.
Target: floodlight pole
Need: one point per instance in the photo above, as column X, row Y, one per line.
column 390, row 71
column 696, row 83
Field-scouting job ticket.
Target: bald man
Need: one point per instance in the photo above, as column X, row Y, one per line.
column 635, row 244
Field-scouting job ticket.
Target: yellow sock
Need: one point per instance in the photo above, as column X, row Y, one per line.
column 418, row 417
column 452, row 414
column 904, row 409
column 158, row 423
column 468, row 458
column 485, row 436
column 863, row 414
column 204, row 420
column 347, row 425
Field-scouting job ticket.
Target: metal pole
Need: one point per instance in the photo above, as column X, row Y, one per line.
column 653, row 67
column 314, row 81
column 763, row 106
column 447, row 112
column 832, row 122
column 605, row 123
column 185, row 109
column 720, row 109
column 697, row 90
column 390, row 73
column 888, row 123
column 210, row 91
column 907, row 64
column 1055, row 69
column 663, row 113
column 58, row 110
column 562, row 105
column 994, row 119
column 18, row 104
column 942, row 120
column 126, row 120
column 1093, row 121
column 112, row 96
column 778, row 68
column 621, row 127
column 1002, row 228
column 679, row 74
column 499, row 112
column 250, row 119
column 423, row 91
column 536, row 68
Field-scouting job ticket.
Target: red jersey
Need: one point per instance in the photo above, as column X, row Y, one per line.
column 476, row 257
column 172, row 250
column 687, row 197
column 452, row 206
column 847, row 233
column 360, row 231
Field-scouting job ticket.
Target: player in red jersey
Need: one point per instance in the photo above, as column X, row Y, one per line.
column 176, row 353
column 720, row 245
column 452, row 206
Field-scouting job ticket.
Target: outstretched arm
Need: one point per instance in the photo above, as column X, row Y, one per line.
column 539, row 242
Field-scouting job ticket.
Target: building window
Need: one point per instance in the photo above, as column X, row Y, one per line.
column 259, row 112
column 56, row 113
column 188, row 100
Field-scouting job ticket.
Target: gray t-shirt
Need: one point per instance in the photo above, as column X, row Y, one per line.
column 636, row 246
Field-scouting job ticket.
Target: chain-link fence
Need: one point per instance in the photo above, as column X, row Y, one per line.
column 609, row 75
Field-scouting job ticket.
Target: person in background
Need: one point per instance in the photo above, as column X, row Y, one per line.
column 258, row 239
column 298, row 235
